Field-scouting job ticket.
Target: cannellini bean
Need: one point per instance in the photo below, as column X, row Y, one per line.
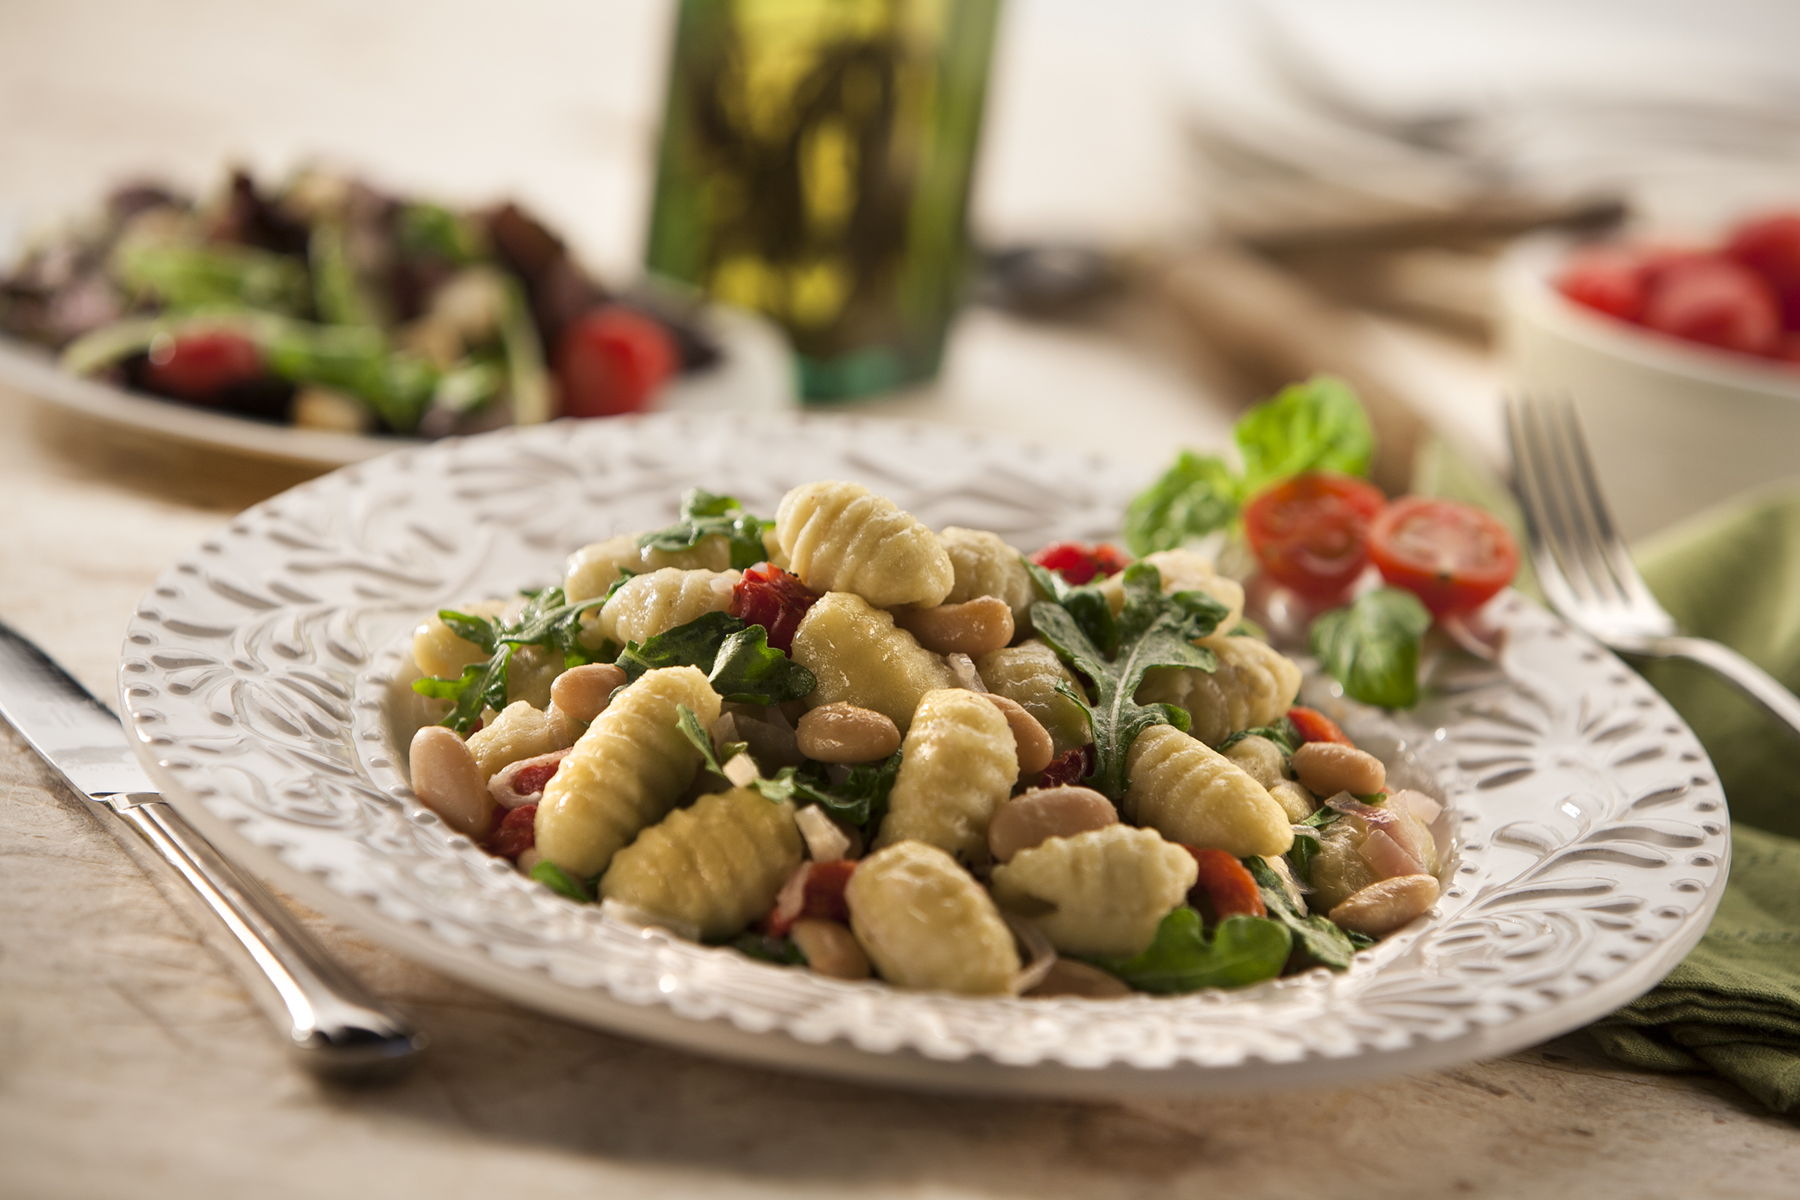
column 447, row 781
column 846, row 733
column 1031, row 740
column 582, row 693
column 1327, row 768
column 830, row 948
column 978, row 626
column 1037, row 816
column 1387, row 904
column 1067, row 977
column 1260, row 758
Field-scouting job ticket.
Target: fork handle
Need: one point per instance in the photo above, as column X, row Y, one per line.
column 1751, row 679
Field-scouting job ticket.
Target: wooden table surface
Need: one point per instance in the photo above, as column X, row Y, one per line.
column 133, row 1061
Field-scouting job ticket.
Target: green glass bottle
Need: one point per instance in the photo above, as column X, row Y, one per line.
column 814, row 166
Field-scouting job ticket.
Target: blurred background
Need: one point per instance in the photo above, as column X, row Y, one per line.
column 1173, row 207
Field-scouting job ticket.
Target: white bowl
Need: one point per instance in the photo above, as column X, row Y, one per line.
column 1674, row 427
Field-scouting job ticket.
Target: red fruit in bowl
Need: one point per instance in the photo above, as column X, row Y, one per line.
column 1614, row 280
column 1770, row 246
column 1715, row 301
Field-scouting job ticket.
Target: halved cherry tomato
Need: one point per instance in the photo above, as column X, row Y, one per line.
column 612, row 361
column 1609, row 279
column 1452, row 556
column 1715, row 301
column 1314, row 726
column 201, row 367
column 1225, row 886
column 1310, row 532
column 1770, row 246
column 1078, row 562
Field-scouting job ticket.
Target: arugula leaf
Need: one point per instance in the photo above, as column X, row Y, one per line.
column 1153, row 630
column 1372, row 646
column 861, row 800
column 780, row 951
column 1085, row 602
column 1316, row 940
column 1194, row 497
column 1281, row 732
column 1314, row 426
column 562, row 883
column 703, row 514
column 547, row 620
column 736, row 657
column 1181, row 958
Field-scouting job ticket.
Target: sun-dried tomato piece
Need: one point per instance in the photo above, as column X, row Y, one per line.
column 815, row 890
column 1072, row 766
column 516, row 833
column 1079, row 562
column 1225, row 887
column 775, row 599
column 1314, row 726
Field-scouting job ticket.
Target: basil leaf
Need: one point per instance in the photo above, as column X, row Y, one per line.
column 1152, row 630
column 1181, row 958
column 562, row 883
column 1313, row 426
column 1194, row 497
column 736, row 657
column 1372, row 646
column 704, row 514
column 1317, row 942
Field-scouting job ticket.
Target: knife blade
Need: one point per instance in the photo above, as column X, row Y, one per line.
column 334, row 1024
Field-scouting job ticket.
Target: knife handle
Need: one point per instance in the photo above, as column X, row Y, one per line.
column 334, row 1025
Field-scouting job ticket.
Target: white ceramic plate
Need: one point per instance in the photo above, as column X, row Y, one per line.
column 261, row 677
column 754, row 374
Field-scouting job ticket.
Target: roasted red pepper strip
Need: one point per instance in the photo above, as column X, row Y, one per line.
column 516, row 833
column 1225, row 885
column 1314, row 726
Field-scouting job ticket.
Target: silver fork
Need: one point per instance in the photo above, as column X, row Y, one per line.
column 1581, row 560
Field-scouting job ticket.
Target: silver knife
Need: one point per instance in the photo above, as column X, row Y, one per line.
column 334, row 1025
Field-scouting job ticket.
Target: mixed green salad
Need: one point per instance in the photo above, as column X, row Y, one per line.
column 328, row 303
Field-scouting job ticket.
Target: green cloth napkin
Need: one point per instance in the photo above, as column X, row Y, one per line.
column 1733, row 575
column 1734, row 1004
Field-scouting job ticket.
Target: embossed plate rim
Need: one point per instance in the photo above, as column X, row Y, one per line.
column 277, row 746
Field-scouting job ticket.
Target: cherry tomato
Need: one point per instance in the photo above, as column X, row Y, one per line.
column 1452, row 556
column 1314, row 726
column 1309, row 532
column 1614, row 280
column 612, row 361
column 1079, row 563
column 775, row 599
column 1714, row 301
column 202, row 367
column 1770, row 246
column 1225, row 886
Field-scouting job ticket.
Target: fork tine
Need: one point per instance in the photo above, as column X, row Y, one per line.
column 1624, row 572
column 1581, row 550
column 1544, row 526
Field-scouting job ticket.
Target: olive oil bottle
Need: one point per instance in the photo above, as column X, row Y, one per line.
column 814, row 166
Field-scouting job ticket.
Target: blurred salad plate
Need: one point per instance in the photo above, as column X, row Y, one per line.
column 323, row 321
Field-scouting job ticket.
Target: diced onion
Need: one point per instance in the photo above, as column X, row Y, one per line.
column 962, row 667
column 741, row 770
column 825, row 842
